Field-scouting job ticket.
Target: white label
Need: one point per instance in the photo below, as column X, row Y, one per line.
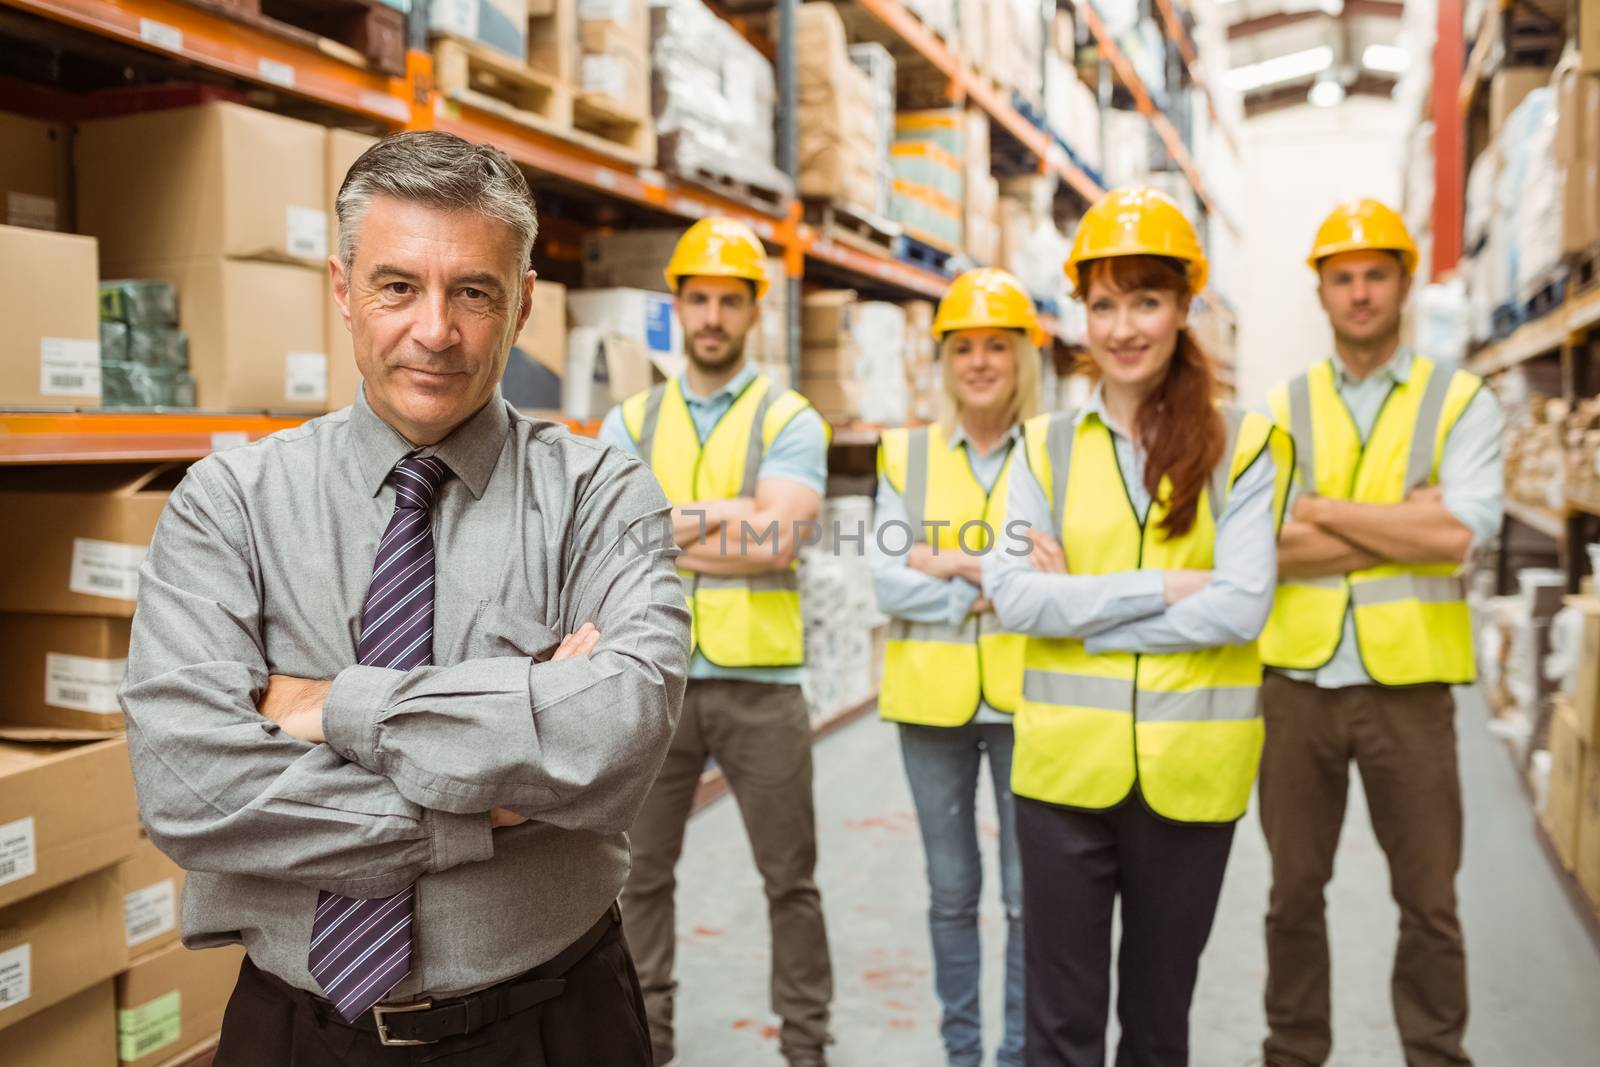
column 308, row 232
column 161, row 35
column 384, row 104
column 605, row 10
column 36, row 212
column 83, row 684
column 225, row 439
column 105, row 568
column 19, row 855
column 276, row 73
column 69, row 367
column 305, row 376
column 151, row 911
column 455, row 16
column 606, row 74
column 16, row 976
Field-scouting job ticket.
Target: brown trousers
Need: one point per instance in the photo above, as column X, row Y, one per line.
column 760, row 736
column 1404, row 743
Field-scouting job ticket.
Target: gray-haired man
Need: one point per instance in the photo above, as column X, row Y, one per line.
column 400, row 679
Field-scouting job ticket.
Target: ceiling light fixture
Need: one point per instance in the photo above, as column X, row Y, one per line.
column 1326, row 93
column 1386, row 58
column 1279, row 69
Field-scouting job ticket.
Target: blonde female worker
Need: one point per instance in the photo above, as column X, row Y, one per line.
column 952, row 677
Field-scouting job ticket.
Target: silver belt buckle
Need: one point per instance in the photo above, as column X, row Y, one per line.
column 381, row 1011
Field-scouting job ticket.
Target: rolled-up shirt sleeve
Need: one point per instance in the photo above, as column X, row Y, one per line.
column 904, row 593
column 222, row 789
column 1057, row 605
column 1472, row 469
column 1233, row 608
column 574, row 743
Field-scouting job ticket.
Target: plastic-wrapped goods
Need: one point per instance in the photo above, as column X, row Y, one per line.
column 113, row 341
column 1516, row 137
column 715, row 97
column 839, row 609
column 880, row 334
column 139, row 302
column 1538, row 211
column 1084, row 136
column 840, row 145
column 159, row 346
column 1127, row 148
column 877, row 63
column 137, row 385
column 1440, row 321
column 1481, row 184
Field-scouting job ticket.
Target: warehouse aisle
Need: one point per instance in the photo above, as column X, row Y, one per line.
column 1535, row 972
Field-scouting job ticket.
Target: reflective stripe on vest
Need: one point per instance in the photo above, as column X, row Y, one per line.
column 1183, row 728
column 1412, row 623
column 936, row 674
column 736, row 621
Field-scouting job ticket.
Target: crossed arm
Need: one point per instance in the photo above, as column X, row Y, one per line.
column 752, row 535
column 1327, row 537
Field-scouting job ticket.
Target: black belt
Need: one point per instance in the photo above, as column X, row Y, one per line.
column 425, row 1022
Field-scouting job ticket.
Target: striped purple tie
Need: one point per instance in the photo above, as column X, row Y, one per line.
column 361, row 949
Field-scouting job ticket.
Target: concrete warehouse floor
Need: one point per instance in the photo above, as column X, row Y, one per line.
column 1535, row 971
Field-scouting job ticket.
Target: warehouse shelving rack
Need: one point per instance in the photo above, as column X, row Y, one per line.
column 327, row 80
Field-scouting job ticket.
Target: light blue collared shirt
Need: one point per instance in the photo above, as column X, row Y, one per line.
column 1471, row 474
column 1127, row 611
column 798, row 454
column 916, row 597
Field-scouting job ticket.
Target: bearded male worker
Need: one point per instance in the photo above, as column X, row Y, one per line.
column 400, row 677
column 744, row 464
column 1398, row 476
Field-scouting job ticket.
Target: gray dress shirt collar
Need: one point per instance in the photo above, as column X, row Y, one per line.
column 471, row 451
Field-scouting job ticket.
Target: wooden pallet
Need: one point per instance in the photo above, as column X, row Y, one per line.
column 766, row 199
column 597, row 115
column 469, row 73
column 852, row 226
column 1549, row 296
column 365, row 32
column 923, row 250
column 1583, row 269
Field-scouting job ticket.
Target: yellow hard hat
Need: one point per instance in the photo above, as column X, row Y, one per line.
column 1361, row 225
column 719, row 248
column 987, row 298
column 1137, row 222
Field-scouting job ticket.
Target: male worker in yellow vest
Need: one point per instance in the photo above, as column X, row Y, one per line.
column 1398, row 476
column 744, row 464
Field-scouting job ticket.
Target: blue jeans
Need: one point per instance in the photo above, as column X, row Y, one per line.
column 943, row 766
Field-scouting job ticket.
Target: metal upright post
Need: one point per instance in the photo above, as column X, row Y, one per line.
column 788, row 159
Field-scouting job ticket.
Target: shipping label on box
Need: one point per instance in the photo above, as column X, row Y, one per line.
column 170, row 999
column 151, row 885
column 19, row 851
column 57, row 944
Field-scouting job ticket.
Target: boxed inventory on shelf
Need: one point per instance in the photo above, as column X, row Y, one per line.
column 838, row 118
column 877, row 63
column 1564, row 799
column 172, row 999
column 344, row 147
column 544, row 335
column 80, row 1031
column 209, row 181
column 637, row 314
column 553, row 38
column 31, row 185
column 151, row 886
column 256, row 331
column 629, row 259
column 63, row 672
column 715, row 99
column 50, row 346
column 500, row 24
column 59, row 943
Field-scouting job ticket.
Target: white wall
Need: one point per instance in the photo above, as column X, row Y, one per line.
column 1299, row 163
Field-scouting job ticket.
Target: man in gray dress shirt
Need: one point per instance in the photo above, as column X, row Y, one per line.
column 415, row 662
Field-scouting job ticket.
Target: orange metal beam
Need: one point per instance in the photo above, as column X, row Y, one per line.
column 1191, row 59
column 233, row 48
column 1449, row 167
column 880, row 268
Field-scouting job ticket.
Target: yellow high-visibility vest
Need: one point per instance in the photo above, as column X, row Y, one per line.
column 741, row 621
column 1411, row 620
column 935, row 674
column 1184, row 728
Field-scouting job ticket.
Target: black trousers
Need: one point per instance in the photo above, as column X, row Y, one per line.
column 1074, row 866
column 598, row 1021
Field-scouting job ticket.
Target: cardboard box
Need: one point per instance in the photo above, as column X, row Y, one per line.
column 604, row 369
column 637, row 314
column 31, row 192
column 344, row 148
column 172, row 999
column 500, row 24
column 837, row 400
column 80, row 1031
column 152, row 887
column 1507, row 89
column 62, row 674
column 1590, row 138
column 256, row 332
column 1562, row 804
column 553, row 38
column 604, row 25
column 826, row 315
column 1589, row 35
column 80, row 549
column 65, row 810
column 1588, row 864
column 618, row 80
column 49, row 302
column 544, row 337
column 634, row 259
column 56, row 944
column 1586, row 685
column 215, row 180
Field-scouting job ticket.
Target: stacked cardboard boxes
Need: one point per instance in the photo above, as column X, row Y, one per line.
column 980, row 191
column 228, row 205
column 829, row 356
column 50, row 346
column 498, row 24
column 343, row 148
column 614, row 68
column 926, row 157
column 32, row 173
column 843, row 627
column 840, row 139
column 1571, row 812
column 877, row 62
